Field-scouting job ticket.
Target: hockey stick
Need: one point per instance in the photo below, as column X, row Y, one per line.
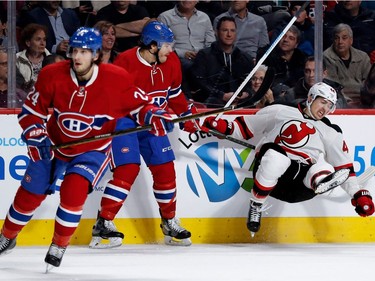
column 223, row 136
column 266, row 54
column 366, row 175
column 266, row 84
column 142, row 128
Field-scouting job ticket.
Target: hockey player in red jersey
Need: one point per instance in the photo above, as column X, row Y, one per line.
column 302, row 153
column 156, row 68
column 86, row 97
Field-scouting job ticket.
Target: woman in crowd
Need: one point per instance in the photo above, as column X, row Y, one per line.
column 256, row 82
column 108, row 31
column 29, row 61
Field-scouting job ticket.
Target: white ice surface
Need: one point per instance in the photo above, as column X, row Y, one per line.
column 232, row 262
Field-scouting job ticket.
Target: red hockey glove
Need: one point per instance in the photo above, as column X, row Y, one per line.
column 220, row 125
column 158, row 118
column 38, row 142
column 190, row 126
column 362, row 201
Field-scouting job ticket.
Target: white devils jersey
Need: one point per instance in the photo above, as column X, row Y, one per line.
column 302, row 138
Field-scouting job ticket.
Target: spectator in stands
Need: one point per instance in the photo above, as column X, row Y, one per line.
column 193, row 32
column 3, row 29
column 128, row 19
column 346, row 64
column 287, row 60
column 256, row 82
column 85, row 10
column 21, row 19
column 368, row 90
column 29, row 61
column 5, row 99
column 108, row 31
column 52, row 58
column 361, row 21
column 299, row 92
column 61, row 24
column 220, row 69
column 368, row 4
column 274, row 15
column 304, row 24
column 213, row 8
column 155, row 8
column 251, row 29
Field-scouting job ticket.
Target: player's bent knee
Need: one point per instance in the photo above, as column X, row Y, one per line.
column 273, row 165
column 275, row 162
column 126, row 173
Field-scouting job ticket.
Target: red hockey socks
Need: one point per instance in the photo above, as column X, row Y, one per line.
column 73, row 194
column 117, row 190
column 20, row 212
column 164, row 177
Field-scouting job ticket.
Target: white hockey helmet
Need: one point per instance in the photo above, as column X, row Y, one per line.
column 322, row 90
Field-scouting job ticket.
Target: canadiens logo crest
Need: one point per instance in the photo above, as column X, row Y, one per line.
column 75, row 125
column 295, row 134
column 159, row 98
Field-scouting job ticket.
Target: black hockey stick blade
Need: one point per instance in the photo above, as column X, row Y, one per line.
column 303, row 7
column 223, row 136
column 266, row 84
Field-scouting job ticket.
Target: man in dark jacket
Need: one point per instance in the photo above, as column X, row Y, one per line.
column 286, row 58
column 300, row 91
column 61, row 24
column 219, row 70
column 128, row 19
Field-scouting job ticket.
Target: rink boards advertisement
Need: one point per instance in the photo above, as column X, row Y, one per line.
column 214, row 177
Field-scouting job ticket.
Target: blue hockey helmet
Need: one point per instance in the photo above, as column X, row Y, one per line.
column 158, row 32
column 86, row 38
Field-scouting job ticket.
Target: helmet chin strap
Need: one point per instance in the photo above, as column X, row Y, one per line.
column 308, row 109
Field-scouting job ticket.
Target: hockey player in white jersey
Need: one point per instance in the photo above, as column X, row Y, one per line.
column 302, row 154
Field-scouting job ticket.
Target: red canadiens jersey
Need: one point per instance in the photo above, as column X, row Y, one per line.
column 162, row 82
column 81, row 112
column 303, row 139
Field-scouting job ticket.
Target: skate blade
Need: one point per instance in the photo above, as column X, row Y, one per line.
column 49, row 267
column 334, row 180
column 97, row 243
column 172, row 241
column 7, row 252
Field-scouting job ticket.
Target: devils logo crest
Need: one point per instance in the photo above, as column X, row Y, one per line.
column 295, row 134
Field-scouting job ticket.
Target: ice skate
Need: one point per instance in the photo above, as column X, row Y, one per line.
column 105, row 229
column 6, row 245
column 332, row 180
column 174, row 233
column 54, row 256
column 254, row 217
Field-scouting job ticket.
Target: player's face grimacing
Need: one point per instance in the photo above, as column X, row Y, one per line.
column 164, row 52
column 320, row 108
column 82, row 62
